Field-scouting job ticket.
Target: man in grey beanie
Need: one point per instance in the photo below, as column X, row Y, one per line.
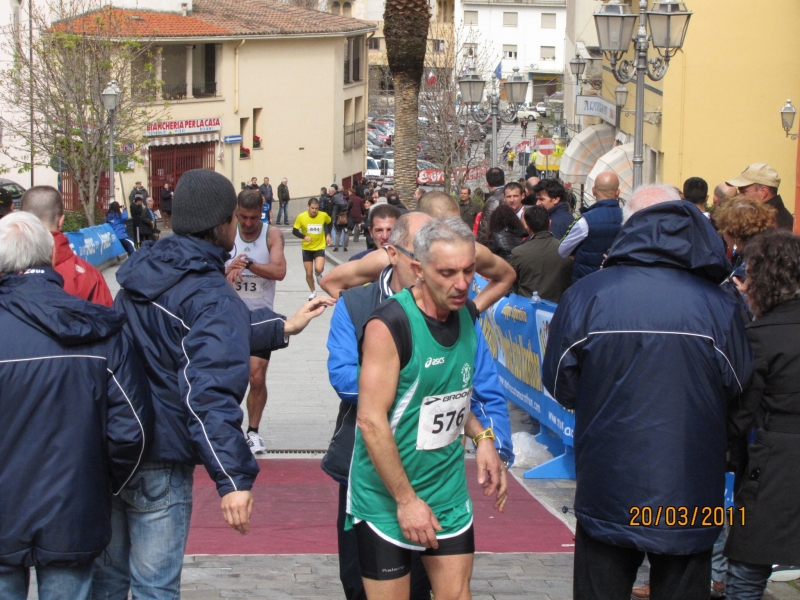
column 194, row 335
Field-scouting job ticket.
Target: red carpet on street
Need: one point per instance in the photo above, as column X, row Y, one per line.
column 296, row 505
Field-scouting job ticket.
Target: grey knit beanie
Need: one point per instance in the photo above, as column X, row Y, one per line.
column 202, row 199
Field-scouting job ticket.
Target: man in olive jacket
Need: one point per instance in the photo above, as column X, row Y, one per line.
column 283, row 201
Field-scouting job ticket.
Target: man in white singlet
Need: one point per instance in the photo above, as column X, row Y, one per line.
column 258, row 265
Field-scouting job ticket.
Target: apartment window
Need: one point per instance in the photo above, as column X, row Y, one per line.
column 470, row 17
column 548, row 53
column 438, row 45
column 257, row 133
column 374, row 43
column 352, row 59
column 470, row 49
column 548, row 20
column 510, row 19
column 347, row 9
column 509, row 52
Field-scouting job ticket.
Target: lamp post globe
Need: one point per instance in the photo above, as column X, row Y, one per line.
column 621, row 95
column 668, row 22
column 615, row 23
column 471, row 86
column 516, row 87
column 577, row 65
column 110, row 96
column 788, row 113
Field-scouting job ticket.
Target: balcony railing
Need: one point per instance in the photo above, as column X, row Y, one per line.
column 173, row 91
column 359, row 135
column 349, row 136
column 205, row 90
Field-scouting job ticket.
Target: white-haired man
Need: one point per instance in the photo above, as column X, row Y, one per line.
column 407, row 487
column 649, row 385
column 71, row 380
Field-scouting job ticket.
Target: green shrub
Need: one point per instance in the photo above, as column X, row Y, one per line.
column 74, row 221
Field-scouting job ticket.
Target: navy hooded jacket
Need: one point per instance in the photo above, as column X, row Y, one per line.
column 194, row 336
column 74, row 422
column 648, row 351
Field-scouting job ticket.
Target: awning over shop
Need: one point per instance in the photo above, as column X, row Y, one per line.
column 620, row 161
column 172, row 140
column 584, row 151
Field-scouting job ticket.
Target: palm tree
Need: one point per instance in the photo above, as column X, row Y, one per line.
column 406, row 31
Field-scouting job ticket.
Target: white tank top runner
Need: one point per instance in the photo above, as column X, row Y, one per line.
column 256, row 291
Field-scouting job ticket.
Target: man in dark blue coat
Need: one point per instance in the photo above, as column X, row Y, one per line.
column 553, row 196
column 194, row 336
column 648, row 351
column 75, row 417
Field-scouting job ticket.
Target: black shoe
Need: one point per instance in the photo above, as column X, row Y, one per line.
column 344, row 249
column 336, row 249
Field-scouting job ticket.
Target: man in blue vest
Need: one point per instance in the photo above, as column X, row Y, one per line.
column 590, row 237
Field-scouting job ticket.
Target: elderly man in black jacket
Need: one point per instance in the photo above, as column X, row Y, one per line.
column 194, row 336
column 75, row 414
column 648, row 351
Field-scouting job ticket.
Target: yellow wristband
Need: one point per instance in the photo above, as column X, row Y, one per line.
column 488, row 434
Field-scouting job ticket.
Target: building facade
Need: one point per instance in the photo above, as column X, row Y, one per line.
column 527, row 35
column 253, row 88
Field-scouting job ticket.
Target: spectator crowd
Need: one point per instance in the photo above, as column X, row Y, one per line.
column 674, row 341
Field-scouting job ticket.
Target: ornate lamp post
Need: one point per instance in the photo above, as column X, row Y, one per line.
column 110, row 97
column 668, row 21
column 516, row 87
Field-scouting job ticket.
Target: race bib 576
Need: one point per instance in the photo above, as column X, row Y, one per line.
column 442, row 418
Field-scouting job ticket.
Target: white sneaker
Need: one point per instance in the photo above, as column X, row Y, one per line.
column 312, row 295
column 255, row 442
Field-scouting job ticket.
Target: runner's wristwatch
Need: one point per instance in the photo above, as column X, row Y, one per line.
column 249, row 263
column 487, row 434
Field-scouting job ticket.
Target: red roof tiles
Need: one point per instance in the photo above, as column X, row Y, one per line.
column 219, row 18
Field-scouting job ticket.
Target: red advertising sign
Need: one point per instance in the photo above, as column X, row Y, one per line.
column 436, row 176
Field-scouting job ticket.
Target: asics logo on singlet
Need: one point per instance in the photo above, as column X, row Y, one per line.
column 432, row 362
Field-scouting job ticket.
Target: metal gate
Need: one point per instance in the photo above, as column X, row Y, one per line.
column 71, row 196
column 169, row 163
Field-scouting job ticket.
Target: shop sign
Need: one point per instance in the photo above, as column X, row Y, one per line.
column 183, row 126
column 595, row 106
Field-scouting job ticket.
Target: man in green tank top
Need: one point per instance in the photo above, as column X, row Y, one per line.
column 408, row 489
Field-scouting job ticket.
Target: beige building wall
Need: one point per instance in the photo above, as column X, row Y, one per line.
column 291, row 93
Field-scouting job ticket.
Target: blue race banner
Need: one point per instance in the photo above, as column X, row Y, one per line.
column 516, row 331
column 95, row 244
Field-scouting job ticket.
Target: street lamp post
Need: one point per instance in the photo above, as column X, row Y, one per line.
column 788, row 113
column 516, row 87
column 668, row 21
column 110, row 97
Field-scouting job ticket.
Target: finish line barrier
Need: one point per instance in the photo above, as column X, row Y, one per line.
column 516, row 331
column 95, row 245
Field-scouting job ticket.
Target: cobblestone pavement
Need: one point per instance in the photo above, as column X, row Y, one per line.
column 300, row 416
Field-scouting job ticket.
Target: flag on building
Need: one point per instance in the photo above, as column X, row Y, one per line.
column 498, row 72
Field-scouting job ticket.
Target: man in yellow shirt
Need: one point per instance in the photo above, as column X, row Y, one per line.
column 310, row 227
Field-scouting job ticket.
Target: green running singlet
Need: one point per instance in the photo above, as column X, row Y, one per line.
column 427, row 418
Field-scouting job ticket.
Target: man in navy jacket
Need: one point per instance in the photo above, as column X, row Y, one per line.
column 194, row 336
column 648, row 351
column 75, row 420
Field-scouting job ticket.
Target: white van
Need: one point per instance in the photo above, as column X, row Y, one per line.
column 380, row 171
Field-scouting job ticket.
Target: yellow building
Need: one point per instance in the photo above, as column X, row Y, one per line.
column 291, row 82
column 719, row 102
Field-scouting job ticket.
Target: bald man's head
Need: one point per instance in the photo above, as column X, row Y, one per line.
column 438, row 205
column 723, row 192
column 530, row 183
column 606, row 186
column 45, row 202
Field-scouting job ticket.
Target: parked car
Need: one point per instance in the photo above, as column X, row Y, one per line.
column 16, row 190
column 541, row 108
column 529, row 111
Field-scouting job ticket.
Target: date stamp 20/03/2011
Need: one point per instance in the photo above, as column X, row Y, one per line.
column 685, row 516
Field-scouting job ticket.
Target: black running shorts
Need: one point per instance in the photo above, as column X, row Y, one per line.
column 382, row 560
